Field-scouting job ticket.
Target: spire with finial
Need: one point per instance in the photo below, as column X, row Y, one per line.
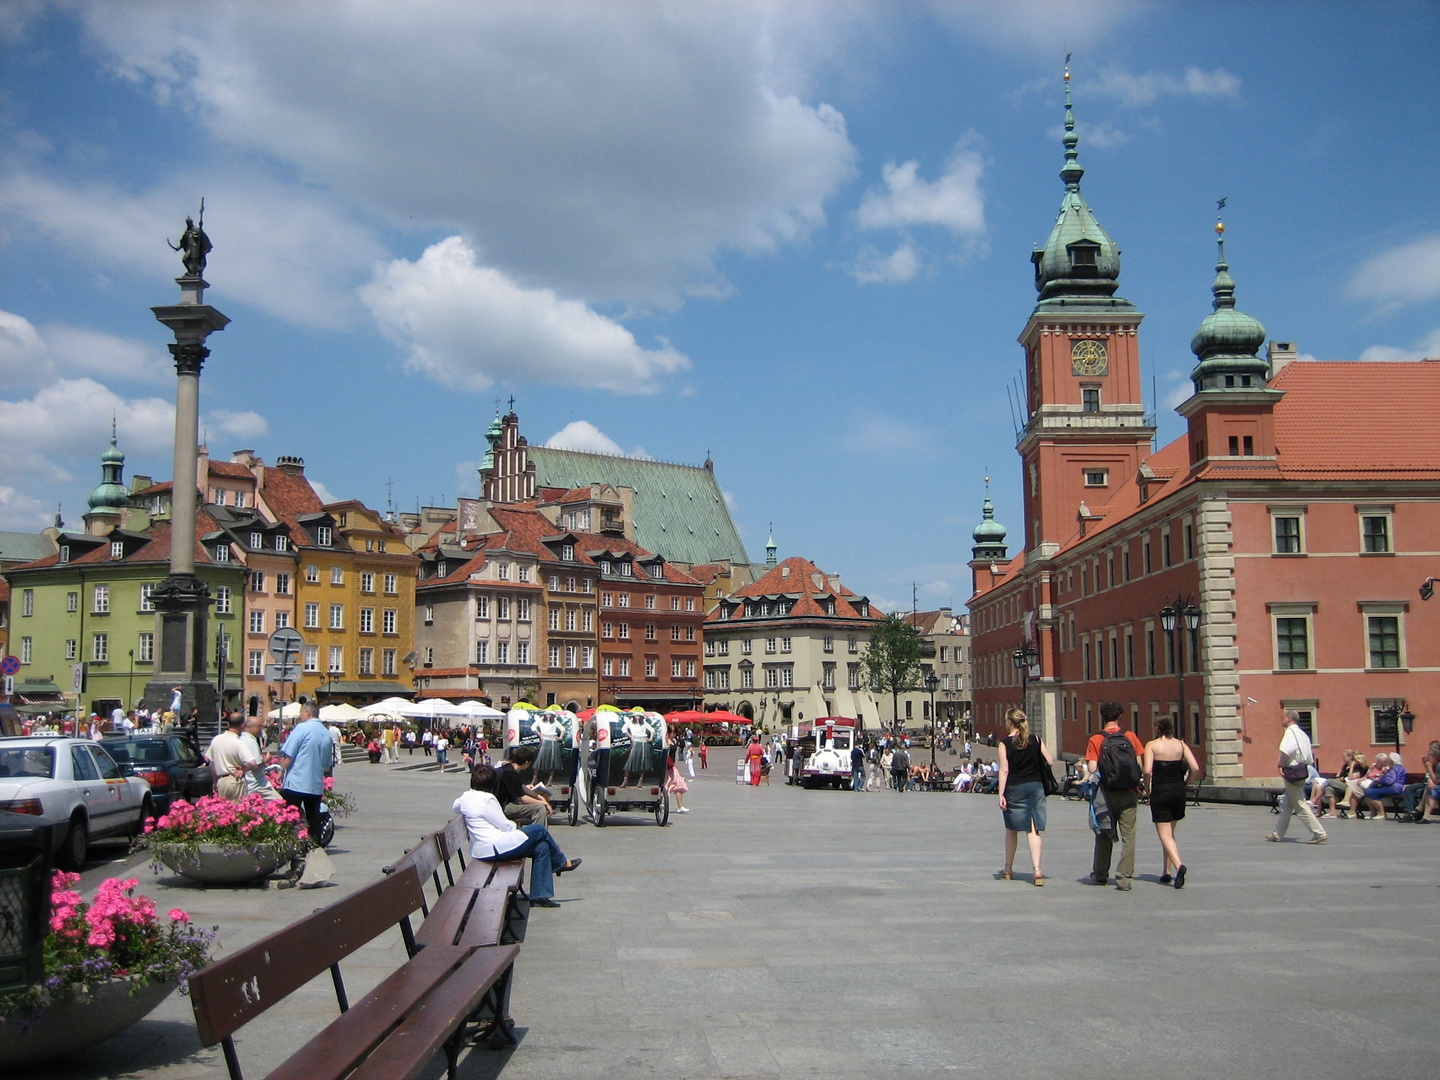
column 989, row 535
column 59, row 520
column 770, row 548
column 1079, row 261
column 1228, row 339
column 110, row 496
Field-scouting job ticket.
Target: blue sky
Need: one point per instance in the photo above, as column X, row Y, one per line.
column 795, row 236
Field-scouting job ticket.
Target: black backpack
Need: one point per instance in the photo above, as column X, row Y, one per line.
column 1119, row 765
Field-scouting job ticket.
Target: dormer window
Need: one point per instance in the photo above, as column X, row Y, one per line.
column 222, row 552
column 657, row 572
column 344, row 517
column 117, row 549
column 282, row 543
column 64, row 553
column 502, row 571
column 626, row 569
column 323, row 535
column 567, row 552
column 1082, row 255
column 522, row 573
column 257, row 540
column 441, row 569
column 606, row 567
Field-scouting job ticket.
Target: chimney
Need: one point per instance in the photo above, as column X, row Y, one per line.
column 1280, row 353
column 832, row 583
column 288, row 463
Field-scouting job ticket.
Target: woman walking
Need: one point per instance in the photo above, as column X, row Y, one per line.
column 754, row 753
column 674, row 782
column 1022, row 792
column 1168, row 764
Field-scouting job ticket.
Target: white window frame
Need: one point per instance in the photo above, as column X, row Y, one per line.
column 337, row 575
column 1278, row 611
column 100, row 648
column 388, row 621
column 1374, row 609
column 336, row 660
column 100, row 600
column 1388, row 514
column 223, row 602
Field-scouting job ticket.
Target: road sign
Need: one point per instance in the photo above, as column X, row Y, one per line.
column 10, row 665
column 9, row 685
column 282, row 673
column 285, row 645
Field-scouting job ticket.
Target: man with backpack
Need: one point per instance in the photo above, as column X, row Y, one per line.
column 1116, row 754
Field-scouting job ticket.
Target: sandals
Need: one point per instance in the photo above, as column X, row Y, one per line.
column 1006, row 875
column 1039, row 879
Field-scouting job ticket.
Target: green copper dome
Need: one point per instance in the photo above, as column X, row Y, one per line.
column 110, row 496
column 1228, row 339
column 989, row 531
column 1079, row 259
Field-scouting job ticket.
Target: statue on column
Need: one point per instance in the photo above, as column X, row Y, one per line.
column 194, row 245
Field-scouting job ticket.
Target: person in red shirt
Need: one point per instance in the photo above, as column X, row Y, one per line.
column 1124, row 802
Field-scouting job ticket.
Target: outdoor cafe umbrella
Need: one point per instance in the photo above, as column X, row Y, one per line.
column 390, row 706
column 476, row 710
column 343, row 713
column 430, row 709
column 291, row 711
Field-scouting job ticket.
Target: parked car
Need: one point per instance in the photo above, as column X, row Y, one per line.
column 167, row 762
column 73, row 784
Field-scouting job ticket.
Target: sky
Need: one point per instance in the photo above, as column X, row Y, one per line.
column 792, row 236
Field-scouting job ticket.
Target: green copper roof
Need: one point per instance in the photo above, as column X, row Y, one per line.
column 1228, row 339
column 989, row 531
column 680, row 511
column 1079, row 260
column 110, row 496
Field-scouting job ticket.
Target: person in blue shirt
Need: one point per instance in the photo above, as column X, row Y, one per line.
column 305, row 757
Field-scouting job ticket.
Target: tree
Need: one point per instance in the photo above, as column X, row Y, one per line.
column 892, row 659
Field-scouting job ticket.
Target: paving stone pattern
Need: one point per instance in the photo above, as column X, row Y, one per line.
column 784, row 933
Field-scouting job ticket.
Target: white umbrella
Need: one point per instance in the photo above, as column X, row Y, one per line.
column 430, row 709
column 289, row 712
column 477, row 710
column 342, row 713
column 390, row 706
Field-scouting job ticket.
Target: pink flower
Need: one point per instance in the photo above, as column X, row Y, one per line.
column 176, row 915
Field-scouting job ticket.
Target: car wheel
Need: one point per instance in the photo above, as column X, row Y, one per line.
column 147, row 811
column 77, row 845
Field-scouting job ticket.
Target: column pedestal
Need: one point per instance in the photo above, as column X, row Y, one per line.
column 182, row 604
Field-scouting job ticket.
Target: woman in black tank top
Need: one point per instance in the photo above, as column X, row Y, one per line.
column 1022, row 792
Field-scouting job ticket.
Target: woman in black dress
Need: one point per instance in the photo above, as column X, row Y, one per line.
column 1169, row 764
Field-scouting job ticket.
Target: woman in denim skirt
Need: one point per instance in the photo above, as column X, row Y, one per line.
column 1022, row 792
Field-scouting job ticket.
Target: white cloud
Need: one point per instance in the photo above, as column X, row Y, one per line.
column 236, row 425
column 587, row 438
column 954, row 201
column 871, row 266
column 608, row 151
column 1429, row 346
column 31, row 357
column 1404, row 275
column 21, row 512
column 66, row 424
column 887, row 433
column 283, row 248
column 326, row 496
column 1178, row 393
column 1102, row 136
column 1146, row 88
column 467, row 325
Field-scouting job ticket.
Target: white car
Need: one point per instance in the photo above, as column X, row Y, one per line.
column 74, row 785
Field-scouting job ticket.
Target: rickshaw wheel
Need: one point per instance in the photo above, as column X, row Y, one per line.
column 662, row 809
column 602, row 808
column 574, row 808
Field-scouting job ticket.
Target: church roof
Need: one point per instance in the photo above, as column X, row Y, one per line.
column 679, row 510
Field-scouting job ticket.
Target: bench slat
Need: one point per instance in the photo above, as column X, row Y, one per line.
column 427, row 858
column 354, row 1034
column 446, row 917
column 405, row 1053
column 487, row 918
column 233, row 991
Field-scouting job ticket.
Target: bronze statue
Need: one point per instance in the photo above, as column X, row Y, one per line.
column 194, row 245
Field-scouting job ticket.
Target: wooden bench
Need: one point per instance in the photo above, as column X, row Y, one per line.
column 428, row 1004
column 427, row 858
column 454, row 843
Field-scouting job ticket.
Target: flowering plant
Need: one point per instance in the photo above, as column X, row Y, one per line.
column 338, row 802
column 252, row 822
column 118, row 935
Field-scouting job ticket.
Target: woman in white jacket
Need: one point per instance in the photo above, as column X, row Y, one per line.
column 495, row 838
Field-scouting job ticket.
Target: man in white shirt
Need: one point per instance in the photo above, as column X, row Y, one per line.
column 1296, row 755
column 228, row 759
column 256, row 780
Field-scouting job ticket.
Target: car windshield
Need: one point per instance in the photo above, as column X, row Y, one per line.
column 139, row 751
column 30, row 761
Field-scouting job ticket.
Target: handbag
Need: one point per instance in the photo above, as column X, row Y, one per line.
column 1295, row 773
column 1047, row 778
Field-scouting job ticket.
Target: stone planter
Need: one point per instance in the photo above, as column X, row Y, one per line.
column 78, row 1021
column 215, row 865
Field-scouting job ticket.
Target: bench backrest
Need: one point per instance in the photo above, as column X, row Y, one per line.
column 427, row 858
column 454, row 841
column 230, row 993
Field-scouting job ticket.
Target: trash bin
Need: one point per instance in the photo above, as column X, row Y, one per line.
column 24, row 906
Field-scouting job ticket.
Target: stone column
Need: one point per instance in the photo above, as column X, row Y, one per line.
column 182, row 600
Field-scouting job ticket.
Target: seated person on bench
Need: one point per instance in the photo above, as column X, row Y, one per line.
column 1391, row 782
column 495, row 838
column 518, row 798
column 1423, row 797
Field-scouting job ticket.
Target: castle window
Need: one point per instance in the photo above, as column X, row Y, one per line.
column 1082, row 256
column 1090, row 399
column 1095, row 478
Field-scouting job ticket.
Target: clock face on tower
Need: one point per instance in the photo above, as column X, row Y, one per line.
column 1088, row 357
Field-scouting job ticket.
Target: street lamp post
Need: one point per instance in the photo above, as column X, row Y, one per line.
column 614, row 691
column 1399, row 714
column 931, row 682
column 130, row 684
column 1177, row 615
column 1023, row 657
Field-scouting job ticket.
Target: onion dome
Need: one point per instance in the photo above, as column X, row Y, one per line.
column 492, row 439
column 1228, row 340
column 989, row 535
column 1079, row 259
column 110, row 497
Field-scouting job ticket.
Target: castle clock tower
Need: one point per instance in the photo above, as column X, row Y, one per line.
column 1086, row 428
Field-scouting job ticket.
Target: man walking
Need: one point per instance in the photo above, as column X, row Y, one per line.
column 305, row 757
column 857, row 767
column 1116, row 754
column 900, row 767
column 1296, row 757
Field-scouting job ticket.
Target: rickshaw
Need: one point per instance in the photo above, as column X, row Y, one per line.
column 553, row 733
column 627, row 767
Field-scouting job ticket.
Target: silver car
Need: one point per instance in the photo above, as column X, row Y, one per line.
column 74, row 785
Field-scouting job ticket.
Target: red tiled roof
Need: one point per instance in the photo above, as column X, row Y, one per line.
column 4, row 590
column 156, row 549
column 288, row 494
column 797, row 577
column 231, row 469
